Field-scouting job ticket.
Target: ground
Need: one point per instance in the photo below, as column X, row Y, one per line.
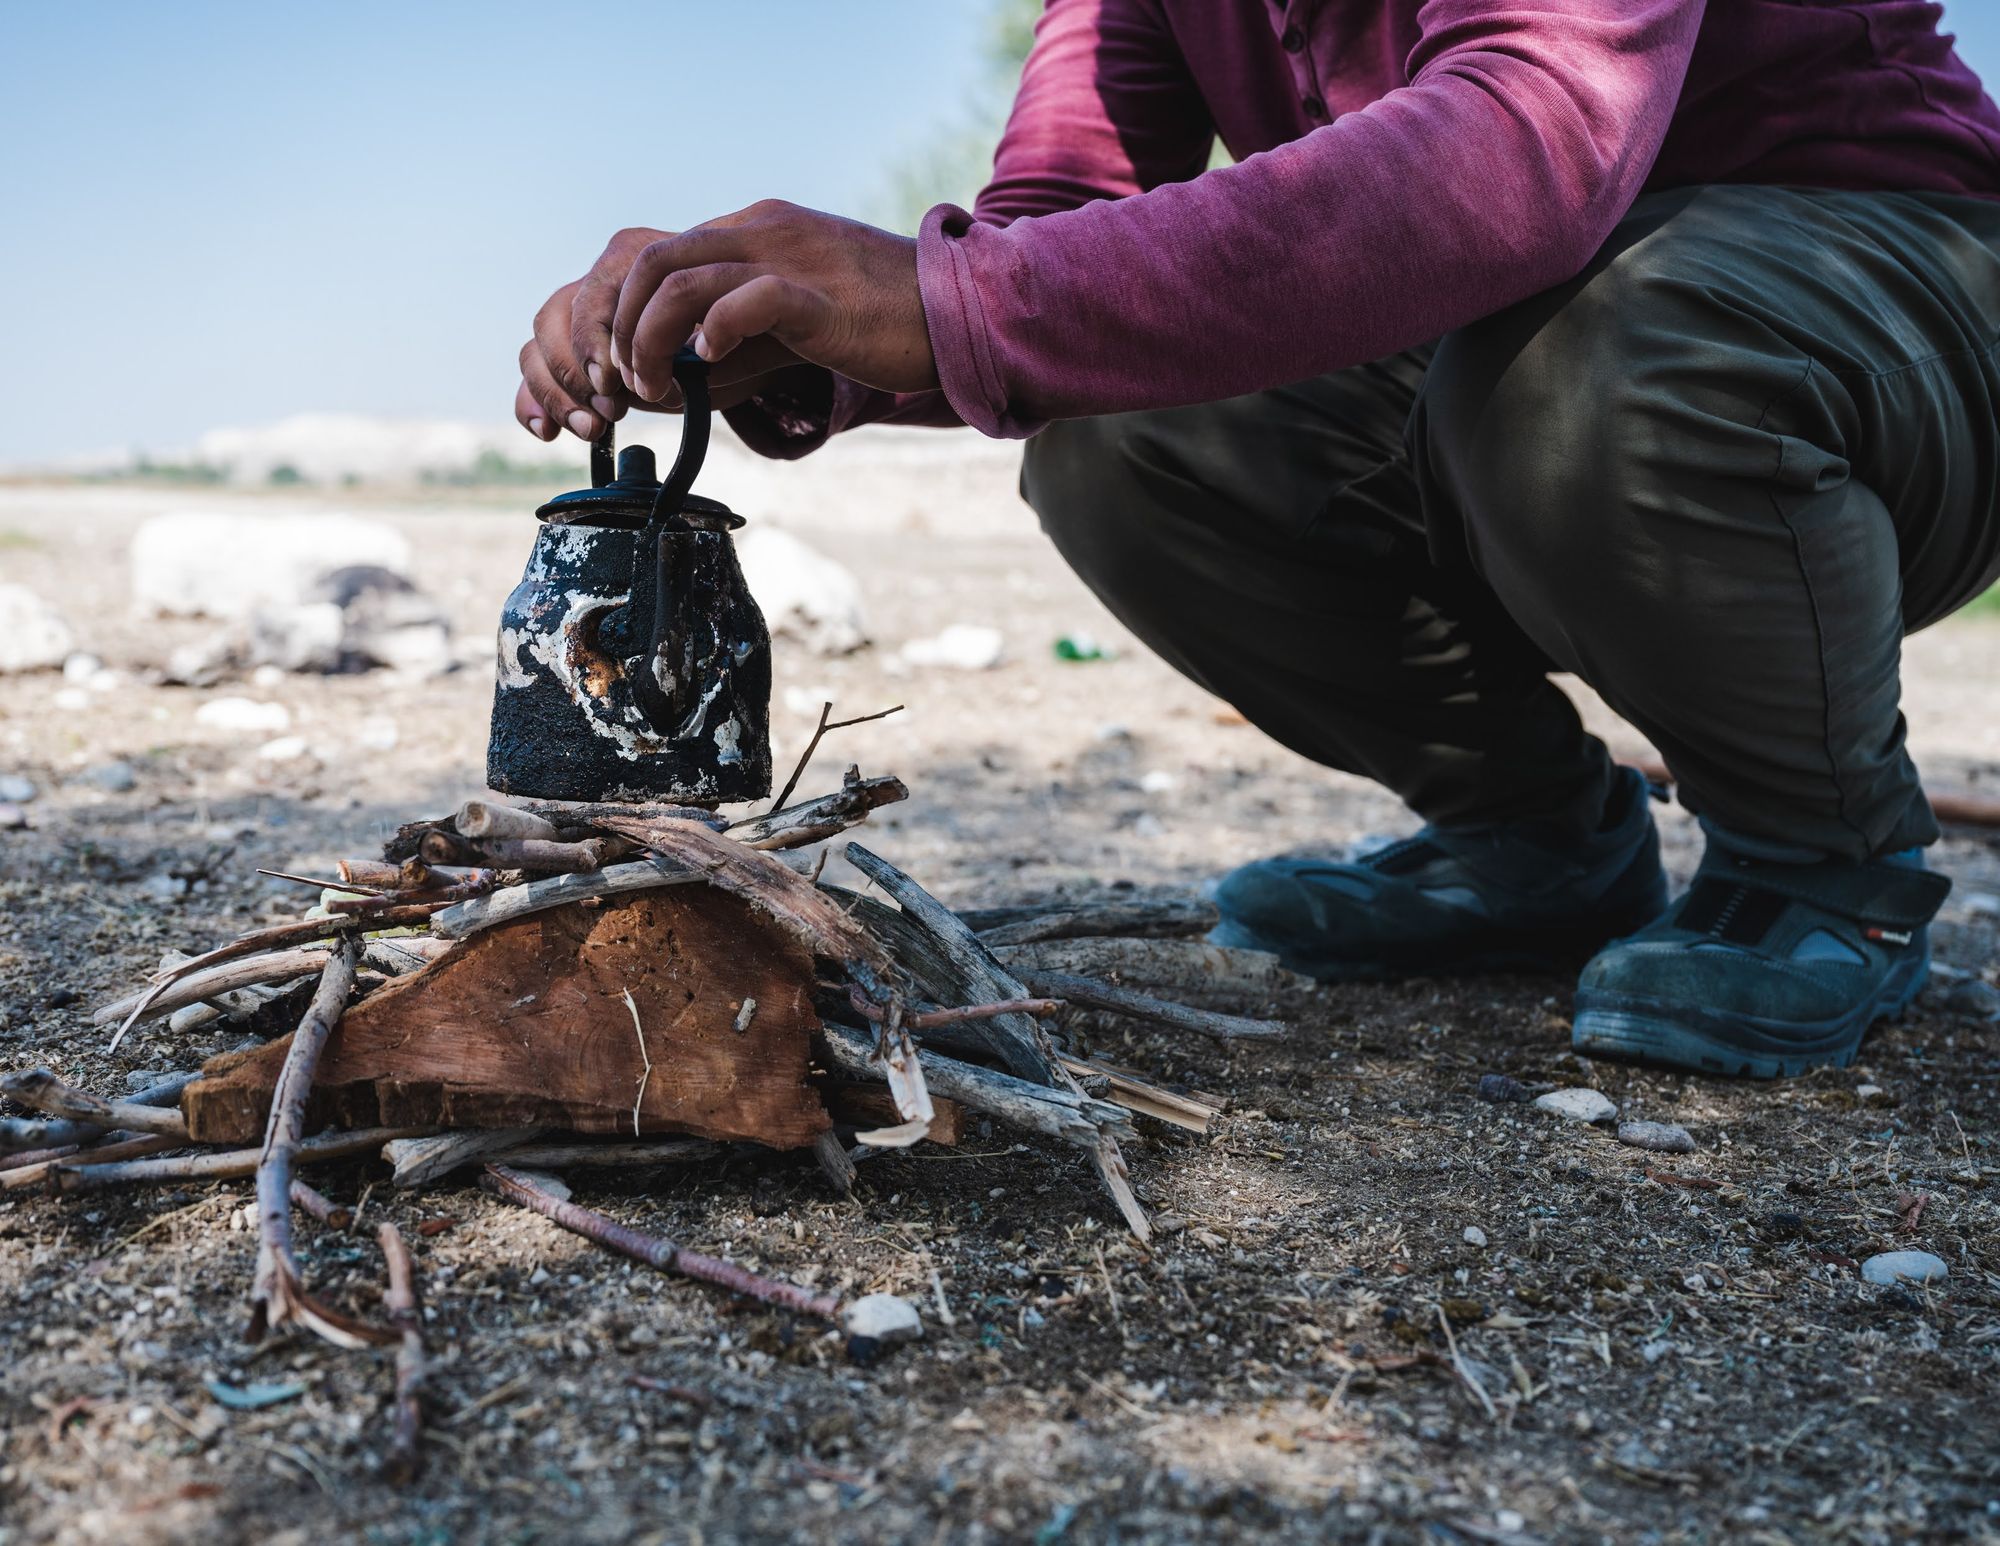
column 1685, row 1355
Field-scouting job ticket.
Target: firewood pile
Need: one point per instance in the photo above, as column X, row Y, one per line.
column 522, row 989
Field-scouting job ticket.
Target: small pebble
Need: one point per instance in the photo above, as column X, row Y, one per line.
column 16, row 790
column 111, row 777
column 1904, row 1267
column 1500, row 1089
column 876, row 1320
column 1660, row 1137
column 1982, row 904
column 1474, row 1235
column 1972, row 998
column 1579, row 1105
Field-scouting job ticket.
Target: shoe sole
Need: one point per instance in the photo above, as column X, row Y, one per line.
column 1637, row 1029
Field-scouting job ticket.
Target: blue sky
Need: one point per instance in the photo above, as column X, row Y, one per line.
column 222, row 212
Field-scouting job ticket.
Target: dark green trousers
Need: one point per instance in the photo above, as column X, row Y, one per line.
column 1719, row 476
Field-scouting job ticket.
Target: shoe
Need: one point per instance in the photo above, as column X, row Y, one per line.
column 1454, row 899
column 1764, row 969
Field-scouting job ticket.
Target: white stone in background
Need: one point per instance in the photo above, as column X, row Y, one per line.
column 243, row 714
column 286, row 748
column 1159, row 781
column 80, row 666
column 230, row 564
column 1475, row 1236
column 804, row 595
column 17, row 790
column 111, row 777
column 378, row 734
column 1660, row 1137
column 1904, row 1267
column 301, row 637
column 33, row 635
column 881, row 1318
column 1578, row 1105
column 961, row 647
column 1981, row 904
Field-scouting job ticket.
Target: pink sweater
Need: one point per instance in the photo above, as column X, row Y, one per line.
column 1403, row 167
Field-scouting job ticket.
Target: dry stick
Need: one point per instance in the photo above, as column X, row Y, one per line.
column 811, row 821
column 1167, row 918
column 1016, row 1040
column 414, row 906
column 321, row 1207
column 277, row 1294
column 312, row 880
column 39, row 1088
column 1091, row 994
column 420, row 1161
column 30, row 1133
column 653, row 1250
column 484, row 912
column 935, row 1019
column 38, row 1156
column 489, row 818
column 405, row 1313
column 227, row 1164
column 813, row 745
column 250, row 972
column 1186, row 969
column 537, row 856
column 1055, row 1113
column 559, row 1156
column 984, row 977
column 53, row 1170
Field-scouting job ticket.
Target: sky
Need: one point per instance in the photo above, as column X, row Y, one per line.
column 222, row 212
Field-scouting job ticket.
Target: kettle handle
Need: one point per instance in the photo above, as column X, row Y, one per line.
column 672, row 565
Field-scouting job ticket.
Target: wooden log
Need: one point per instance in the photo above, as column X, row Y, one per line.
column 225, row 1164
column 538, row 856
column 1089, row 993
column 1187, row 970
column 792, row 902
column 813, row 821
column 42, row 1090
column 1163, row 918
column 526, row 1025
column 1193, row 1111
column 1054, row 1113
column 123, row 1146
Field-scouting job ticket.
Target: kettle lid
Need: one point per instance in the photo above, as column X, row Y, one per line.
column 628, row 499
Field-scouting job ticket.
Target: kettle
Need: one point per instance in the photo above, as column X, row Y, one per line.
column 634, row 665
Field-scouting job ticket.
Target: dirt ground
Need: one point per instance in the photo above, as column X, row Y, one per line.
column 1686, row 1355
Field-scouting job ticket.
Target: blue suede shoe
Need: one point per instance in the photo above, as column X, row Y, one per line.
column 1764, row 969
column 1453, row 899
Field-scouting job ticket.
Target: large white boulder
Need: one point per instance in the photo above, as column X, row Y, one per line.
column 33, row 634
column 233, row 564
column 804, row 595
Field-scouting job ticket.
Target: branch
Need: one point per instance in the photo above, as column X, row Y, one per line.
column 277, row 1293
column 810, row 821
column 226, row 1164
column 813, row 745
column 1092, row 994
column 42, row 1090
column 404, row 1312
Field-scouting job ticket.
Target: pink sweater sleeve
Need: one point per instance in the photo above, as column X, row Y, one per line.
column 1527, row 130
column 1105, row 108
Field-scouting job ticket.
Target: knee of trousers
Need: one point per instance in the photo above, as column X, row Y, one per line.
column 1084, row 482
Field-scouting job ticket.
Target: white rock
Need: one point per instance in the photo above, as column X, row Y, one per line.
column 1660, row 1137
column 285, row 748
column 230, row 564
column 1159, row 781
column 803, row 594
column 962, row 647
column 553, row 1184
column 378, row 734
column 33, row 635
column 297, row 636
column 16, row 789
column 881, row 1318
column 1982, row 904
column 1904, row 1267
column 1579, row 1105
column 1474, row 1235
column 243, row 714
column 81, row 666
column 70, row 699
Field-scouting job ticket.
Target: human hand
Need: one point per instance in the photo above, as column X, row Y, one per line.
column 762, row 291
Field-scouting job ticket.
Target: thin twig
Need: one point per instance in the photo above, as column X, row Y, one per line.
column 313, row 880
column 937, row 1019
column 321, row 1207
column 403, row 1310
column 1464, row 1371
column 223, row 1164
column 653, row 1250
column 812, row 746
column 646, row 1075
